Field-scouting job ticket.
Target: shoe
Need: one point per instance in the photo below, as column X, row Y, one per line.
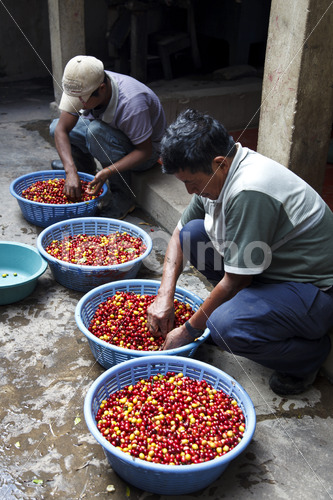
column 84, row 162
column 57, row 165
column 287, row 385
column 117, row 208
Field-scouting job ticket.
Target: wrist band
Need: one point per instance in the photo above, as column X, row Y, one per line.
column 194, row 332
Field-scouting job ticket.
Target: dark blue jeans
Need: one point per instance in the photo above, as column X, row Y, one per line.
column 106, row 144
column 282, row 326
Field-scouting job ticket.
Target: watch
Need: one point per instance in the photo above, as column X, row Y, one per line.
column 194, row 332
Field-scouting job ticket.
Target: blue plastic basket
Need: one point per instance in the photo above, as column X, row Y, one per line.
column 45, row 214
column 109, row 355
column 83, row 278
column 158, row 478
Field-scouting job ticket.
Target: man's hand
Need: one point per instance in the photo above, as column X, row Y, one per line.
column 177, row 338
column 96, row 184
column 72, row 188
column 161, row 316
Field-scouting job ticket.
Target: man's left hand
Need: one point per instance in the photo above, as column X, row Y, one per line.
column 96, row 184
column 177, row 338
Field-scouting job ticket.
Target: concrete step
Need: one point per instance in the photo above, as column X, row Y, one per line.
column 235, row 103
column 162, row 196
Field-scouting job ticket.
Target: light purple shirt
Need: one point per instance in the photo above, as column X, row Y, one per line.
column 134, row 109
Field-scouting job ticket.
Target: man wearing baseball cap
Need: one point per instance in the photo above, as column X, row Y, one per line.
column 109, row 117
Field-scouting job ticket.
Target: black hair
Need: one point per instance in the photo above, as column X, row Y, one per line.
column 96, row 92
column 192, row 141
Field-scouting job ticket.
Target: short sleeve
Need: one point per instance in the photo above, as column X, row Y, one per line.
column 137, row 126
column 194, row 210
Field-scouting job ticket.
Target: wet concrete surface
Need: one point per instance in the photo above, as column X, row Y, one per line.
column 47, row 367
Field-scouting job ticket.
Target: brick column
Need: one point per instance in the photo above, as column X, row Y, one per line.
column 296, row 111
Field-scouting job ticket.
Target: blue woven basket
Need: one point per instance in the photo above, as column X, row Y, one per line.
column 83, row 278
column 109, row 355
column 45, row 214
column 158, row 478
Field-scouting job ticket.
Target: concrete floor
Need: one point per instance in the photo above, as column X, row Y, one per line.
column 47, row 368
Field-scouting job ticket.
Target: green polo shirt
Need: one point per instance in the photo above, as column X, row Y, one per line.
column 267, row 221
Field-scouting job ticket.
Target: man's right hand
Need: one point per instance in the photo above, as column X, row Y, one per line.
column 72, row 188
column 161, row 316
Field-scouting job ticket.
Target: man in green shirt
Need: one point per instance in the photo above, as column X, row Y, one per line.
column 264, row 238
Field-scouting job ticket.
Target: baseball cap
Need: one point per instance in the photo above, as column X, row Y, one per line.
column 82, row 75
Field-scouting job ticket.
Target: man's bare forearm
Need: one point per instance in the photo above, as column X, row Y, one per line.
column 61, row 137
column 173, row 266
column 64, row 150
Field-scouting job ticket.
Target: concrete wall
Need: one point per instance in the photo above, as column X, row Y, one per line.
column 297, row 98
column 25, row 49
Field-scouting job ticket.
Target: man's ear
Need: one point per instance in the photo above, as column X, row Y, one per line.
column 219, row 162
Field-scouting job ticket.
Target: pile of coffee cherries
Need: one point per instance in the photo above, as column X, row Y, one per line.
column 51, row 191
column 171, row 419
column 121, row 320
column 97, row 250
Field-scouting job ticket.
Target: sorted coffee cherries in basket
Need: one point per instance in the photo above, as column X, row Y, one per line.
column 171, row 419
column 51, row 191
column 121, row 320
column 97, row 250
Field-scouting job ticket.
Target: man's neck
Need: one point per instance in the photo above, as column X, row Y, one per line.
column 108, row 92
